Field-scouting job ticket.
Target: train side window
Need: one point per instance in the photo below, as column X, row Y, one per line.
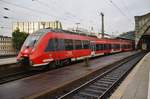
column 128, row 46
column 56, row 44
column 92, row 46
column 109, row 46
column 105, row 46
column 59, row 44
column 123, row 46
column 50, row 46
column 101, row 46
column 78, row 44
column 68, row 44
column 97, row 47
column 86, row 44
column 115, row 46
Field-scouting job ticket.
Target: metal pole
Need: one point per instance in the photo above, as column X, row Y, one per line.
column 102, row 15
column 77, row 26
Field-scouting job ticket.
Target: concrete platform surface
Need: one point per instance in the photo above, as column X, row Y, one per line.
column 36, row 85
column 136, row 84
column 4, row 61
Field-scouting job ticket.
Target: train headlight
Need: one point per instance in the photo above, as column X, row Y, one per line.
column 26, row 51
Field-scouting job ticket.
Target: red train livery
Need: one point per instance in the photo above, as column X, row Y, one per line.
column 48, row 46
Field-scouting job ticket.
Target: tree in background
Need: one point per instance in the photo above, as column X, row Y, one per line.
column 18, row 39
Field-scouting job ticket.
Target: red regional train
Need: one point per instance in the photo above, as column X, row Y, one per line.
column 48, row 47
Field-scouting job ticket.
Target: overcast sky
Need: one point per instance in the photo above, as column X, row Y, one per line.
column 119, row 14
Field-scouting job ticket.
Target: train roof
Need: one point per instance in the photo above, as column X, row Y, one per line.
column 42, row 31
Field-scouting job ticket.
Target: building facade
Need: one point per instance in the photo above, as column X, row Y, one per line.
column 6, row 46
column 30, row 27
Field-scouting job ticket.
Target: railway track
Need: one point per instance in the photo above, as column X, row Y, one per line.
column 17, row 72
column 102, row 86
column 15, row 75
column 14, row 71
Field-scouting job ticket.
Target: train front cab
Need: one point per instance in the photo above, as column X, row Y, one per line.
column 28, row 49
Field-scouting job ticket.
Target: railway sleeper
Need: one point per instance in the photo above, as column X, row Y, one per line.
column 107, row 82
column 79, row 97
column 88, row 95
column 102, row 85
column 82, row 97
column 98, row 87
column 98, row 91
column 111, row 78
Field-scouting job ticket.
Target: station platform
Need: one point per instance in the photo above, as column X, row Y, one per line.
column 37, row 85
column 5, row 61
column 137, row 84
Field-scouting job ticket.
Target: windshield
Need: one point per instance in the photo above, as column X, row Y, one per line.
column 31, row 40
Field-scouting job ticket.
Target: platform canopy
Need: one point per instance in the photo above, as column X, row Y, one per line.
column 142, row 26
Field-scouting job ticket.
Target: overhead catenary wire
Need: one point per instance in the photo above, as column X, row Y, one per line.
column 13, row 12
column 125, row 6
column 119, row 9
column 69, row 16
column 29, row 9
column 69, row 19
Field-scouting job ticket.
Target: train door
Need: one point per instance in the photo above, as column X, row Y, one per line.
column 59, row 50
column 93, row 48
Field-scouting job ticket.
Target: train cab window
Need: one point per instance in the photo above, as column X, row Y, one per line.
column 68, row 44
column 78, row 44
column 31, row 40
column 50, row 46
column 86, row 44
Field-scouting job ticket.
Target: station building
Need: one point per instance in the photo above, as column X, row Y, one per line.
column 30, row 27
column 6, row 46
